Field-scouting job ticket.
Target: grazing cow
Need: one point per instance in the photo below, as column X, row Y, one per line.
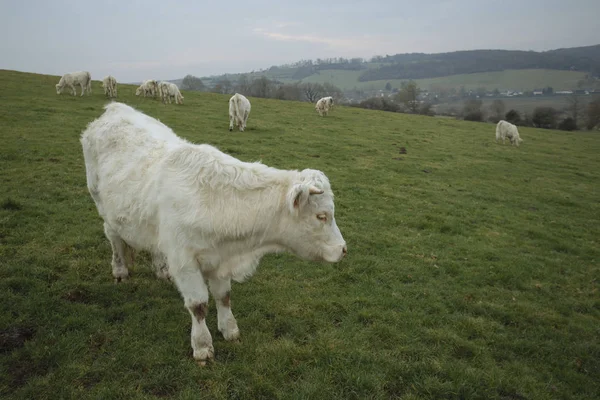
column 70, row 80
column 206, row 217
column 239, row 109
column 168, row 90
column 505, row 130
column 324, row 105
column 148, row 88
column 109, row 83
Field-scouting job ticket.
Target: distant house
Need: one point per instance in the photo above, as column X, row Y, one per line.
column 538, row 93
column 563, row 92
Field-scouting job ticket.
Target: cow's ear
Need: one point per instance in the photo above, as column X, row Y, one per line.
column 297, row 197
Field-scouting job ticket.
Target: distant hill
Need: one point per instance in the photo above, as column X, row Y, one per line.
column 502, row 69
column 419, row 66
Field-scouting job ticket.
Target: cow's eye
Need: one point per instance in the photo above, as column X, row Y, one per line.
column 322, row 217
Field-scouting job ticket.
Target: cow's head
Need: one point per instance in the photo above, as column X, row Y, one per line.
column 310, row 231
column 58, row 87
column 138, row 91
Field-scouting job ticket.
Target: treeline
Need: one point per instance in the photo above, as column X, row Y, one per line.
column 419, row 65
column 266, row 88
column 575, row 115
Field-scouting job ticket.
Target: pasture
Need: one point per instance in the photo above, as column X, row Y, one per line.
column 472, row 268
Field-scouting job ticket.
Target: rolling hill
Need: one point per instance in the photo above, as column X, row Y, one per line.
column 472, row 269
column 502, row 69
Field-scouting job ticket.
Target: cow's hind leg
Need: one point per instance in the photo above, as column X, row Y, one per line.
column 122, row 256
column 221, row 291
column 159, row 263
column 185, row 271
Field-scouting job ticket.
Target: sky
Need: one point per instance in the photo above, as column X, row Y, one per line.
column 135, row 40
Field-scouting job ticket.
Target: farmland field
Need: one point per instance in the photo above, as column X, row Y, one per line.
column 472, row 270
column 525, row 79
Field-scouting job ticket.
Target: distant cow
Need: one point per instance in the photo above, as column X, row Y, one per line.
column 148, row 88
column 205, row 216
column 239, row 110
column 70, row 80
column 168, row 90
column 505, row 130
column 324, row 105
column 109, row 83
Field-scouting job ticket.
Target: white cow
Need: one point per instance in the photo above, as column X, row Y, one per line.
column 148, row 88
column 239, row 110
column 205, row 216
column 70, row 80
column 324, row 105
column 109, row 83
column 505, row 130
column 168, row 90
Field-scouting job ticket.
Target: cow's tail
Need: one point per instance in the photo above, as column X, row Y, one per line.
column 89, row 83
column 236, row 107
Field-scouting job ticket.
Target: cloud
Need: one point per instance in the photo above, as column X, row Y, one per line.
column 353, row 44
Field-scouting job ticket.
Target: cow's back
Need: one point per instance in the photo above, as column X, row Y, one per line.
column 123, row 151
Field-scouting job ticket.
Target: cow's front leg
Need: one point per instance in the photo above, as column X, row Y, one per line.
column 221, row 291
column 185, row 271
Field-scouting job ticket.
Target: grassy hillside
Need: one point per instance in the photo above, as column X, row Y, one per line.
column 472, row 270
column 526, row 79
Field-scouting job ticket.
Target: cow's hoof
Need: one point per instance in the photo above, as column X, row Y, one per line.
column 120, row 274
column 230, row 129
column 232, row 335
column 204, row 355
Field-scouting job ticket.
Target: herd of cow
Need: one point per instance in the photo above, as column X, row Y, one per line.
column 205, row 217
column 239, row 105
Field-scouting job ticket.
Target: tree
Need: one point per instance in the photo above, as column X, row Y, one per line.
column 568, row 124
column 261, row 87
column 289, row 92
column 544, row 117
column 513, row 117
column 593, row 114
column 243, row 84
column 426, row 109
column 472, row 110
column 548, row 91
column 330, row 89
column 191, row 82
column 574, row 107
column 497, row 109
column 408, row 95
column 388, row 87
column 226, row 86
column 312, row 91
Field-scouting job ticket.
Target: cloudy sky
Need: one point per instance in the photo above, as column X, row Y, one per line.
column 141, row 39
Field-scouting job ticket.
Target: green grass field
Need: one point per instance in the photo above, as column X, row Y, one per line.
column 526, row 79
column 472, row 270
